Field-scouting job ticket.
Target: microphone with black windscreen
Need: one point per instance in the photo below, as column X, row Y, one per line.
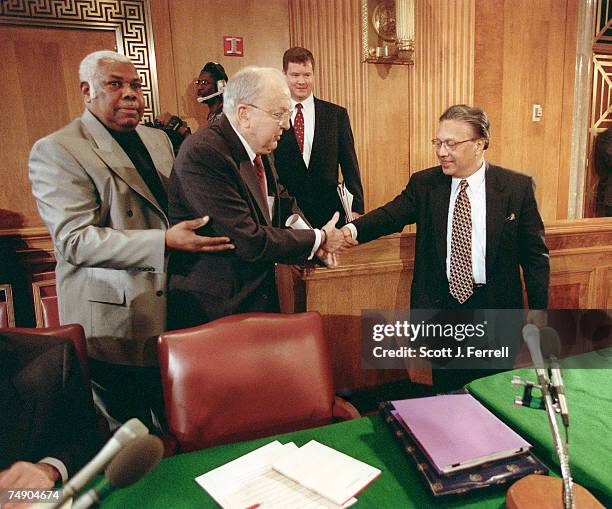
column 130, row 465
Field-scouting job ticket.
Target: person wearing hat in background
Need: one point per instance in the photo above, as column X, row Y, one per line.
column 210, row 86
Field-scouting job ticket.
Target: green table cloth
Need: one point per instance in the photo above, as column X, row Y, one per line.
column 589, row 396
column 171, row 485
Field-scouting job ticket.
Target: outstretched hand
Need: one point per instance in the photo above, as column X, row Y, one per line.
column 182, row 237
column 335, row 241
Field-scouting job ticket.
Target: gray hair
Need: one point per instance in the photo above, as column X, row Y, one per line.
column 247, row 85
column 476, row 117
column 89, row 66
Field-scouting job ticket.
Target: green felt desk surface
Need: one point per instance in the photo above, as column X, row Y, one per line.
column 171, row 485
column 589, row 396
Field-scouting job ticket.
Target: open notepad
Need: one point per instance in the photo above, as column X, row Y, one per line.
column 285, row 476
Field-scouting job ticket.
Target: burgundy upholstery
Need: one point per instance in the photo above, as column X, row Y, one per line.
column 246, row 376
column 50, row 311
column 7, row 314
column 4, row 318
column 45, row 303
column 74, row 332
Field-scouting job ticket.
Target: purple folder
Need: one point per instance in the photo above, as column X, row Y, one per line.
column 455, row 431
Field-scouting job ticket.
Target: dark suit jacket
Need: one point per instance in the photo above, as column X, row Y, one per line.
column 515, row 237
column 315, row 187
column 46, row 408
column 214, row 176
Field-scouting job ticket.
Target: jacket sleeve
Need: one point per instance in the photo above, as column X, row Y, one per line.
column 209, row 184
column 77, row 215
column 348, row 161
column 533, row 253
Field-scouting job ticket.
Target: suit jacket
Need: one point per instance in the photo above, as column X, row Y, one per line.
column 315, row 186
column 108, row 234
column 46, row 408
column 214, row 176
column 515, row 237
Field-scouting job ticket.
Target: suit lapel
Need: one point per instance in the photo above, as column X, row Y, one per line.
column 116, row 159
column 438, row 210
column 497, row 205
column 246, row 169
column 318, row 139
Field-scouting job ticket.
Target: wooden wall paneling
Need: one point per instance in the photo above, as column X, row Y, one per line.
column 39, row 94
column 196, row 37
column 443, row 72
column 532, row 46
column 161, row 17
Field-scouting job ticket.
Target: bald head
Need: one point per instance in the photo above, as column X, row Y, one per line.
column 257, row 103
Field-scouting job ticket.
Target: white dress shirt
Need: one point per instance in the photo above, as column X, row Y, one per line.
column 478, row 205
column 308, row 110
column 252, row 154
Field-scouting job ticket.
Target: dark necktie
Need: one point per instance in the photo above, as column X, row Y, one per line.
column 461, row 283
column 261, row 176
column 298, row 127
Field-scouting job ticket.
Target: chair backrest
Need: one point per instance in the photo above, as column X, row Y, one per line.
column 7, row 310
column 74, row 332
column 45, row 303
column 245, row 376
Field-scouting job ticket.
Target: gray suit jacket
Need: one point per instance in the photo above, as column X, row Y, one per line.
column 108, row 233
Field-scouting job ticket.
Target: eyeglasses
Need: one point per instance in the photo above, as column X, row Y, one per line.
column 201, row 82
column 449, row 144
column 281, row 117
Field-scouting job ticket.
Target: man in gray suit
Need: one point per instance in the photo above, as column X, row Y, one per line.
column 100, row 184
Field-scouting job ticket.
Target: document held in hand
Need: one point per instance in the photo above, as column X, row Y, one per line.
column 346, row 199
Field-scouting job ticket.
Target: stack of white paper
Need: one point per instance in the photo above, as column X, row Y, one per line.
column 285, row 476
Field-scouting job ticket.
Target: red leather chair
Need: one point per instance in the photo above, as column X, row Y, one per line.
column 7, row 313
column 45, row 303
column 246, row 376
column 74, row 332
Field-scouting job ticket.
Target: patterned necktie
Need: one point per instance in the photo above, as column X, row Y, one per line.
column 261, row 175
column 461, row 279
column 298, row 127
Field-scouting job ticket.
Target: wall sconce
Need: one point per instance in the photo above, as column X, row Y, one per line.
column 387, row 31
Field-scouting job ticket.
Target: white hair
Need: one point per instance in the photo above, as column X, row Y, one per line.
column 89, row 66
column 247, row 85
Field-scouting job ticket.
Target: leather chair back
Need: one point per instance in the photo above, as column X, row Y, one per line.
column 74, row 332
column 245, row 376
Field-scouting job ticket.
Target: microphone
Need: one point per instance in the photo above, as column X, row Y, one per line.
column 206, row 98
column 551, row 348
column 220, row 89
column 126, row 434
column 130, row 465
column 531, row 336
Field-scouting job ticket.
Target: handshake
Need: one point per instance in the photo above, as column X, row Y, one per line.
column 334, row 241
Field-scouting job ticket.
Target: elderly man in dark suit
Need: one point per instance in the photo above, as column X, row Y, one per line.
column 319, row 141
column 48, row 427
column 225, row 171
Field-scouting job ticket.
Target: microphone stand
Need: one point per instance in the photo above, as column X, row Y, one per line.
column 561, row 446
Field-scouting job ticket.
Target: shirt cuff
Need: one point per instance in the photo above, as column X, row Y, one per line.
column 352, row 229
column 58, row 465
column 317, row 243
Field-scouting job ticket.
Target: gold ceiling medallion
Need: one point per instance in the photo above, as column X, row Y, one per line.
column 387, row 31
column 129, row 19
